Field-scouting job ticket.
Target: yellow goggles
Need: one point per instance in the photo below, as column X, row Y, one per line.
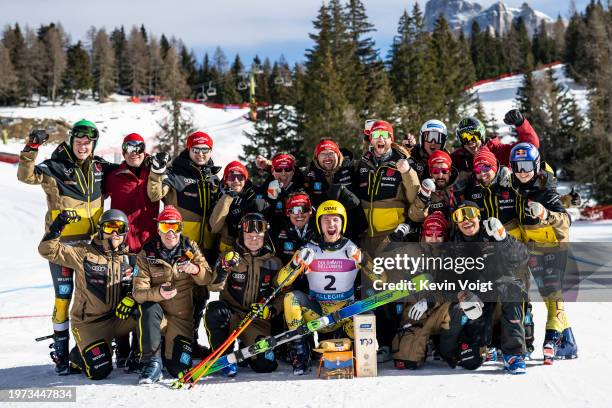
column 467, row 137
column 165, row 227
column 380, row 133
column 465, row 213
column 118, row 227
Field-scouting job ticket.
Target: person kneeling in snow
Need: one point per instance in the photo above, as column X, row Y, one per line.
column 103, row 306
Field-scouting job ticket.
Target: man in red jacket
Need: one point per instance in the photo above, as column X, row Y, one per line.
column 127, row 188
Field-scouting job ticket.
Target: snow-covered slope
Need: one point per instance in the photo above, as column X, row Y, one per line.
column 117, row 119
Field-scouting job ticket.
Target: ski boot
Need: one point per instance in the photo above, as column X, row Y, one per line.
column 133, row 363
column 151, row 371
column 230, row 370
column 300, row 356
column 122, row 351
column 383, row 354
column 568, row 348
column 514, row 364
column 529, row 331
column 60, row 353
column 552, row 340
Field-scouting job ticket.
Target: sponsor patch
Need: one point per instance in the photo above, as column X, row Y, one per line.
column 317, row 186
column 64, row 289
column 185, row 358
column 288, row 246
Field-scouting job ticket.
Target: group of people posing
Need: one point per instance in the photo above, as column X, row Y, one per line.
column 137, row 270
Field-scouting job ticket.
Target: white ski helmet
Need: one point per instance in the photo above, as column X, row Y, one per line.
column 434, row 125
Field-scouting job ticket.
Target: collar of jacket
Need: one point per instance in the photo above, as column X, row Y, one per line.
column 332, row 246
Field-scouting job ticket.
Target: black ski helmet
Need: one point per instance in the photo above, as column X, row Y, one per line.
column 113, row 215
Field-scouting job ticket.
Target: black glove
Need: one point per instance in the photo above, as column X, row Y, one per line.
column 514, row 117
column 64, row 218
column 340, row 192
column 159, row 162
column 36, row 138
column 229, row 191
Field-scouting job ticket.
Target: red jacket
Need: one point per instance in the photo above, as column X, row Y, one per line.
column 462, row 158
column 128, row 193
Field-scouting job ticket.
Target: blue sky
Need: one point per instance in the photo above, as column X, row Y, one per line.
column 265, row 27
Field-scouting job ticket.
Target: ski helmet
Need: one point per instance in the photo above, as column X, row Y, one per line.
column 115, row 221
column 470, row 127
column 436, row 126
column 83, row 128
column 331, row 207
column 525, row 157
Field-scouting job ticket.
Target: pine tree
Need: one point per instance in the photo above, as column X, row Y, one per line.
column 138, row 61
column 103, row 66
column 53, row 60
column 155, row 65
column 518, row 47
column 188, row 62
column 526, row 95
column 8, row 77
column 77, row 76
column 164, row 44
column 30, row 67
column 122, row 68
column 236, row 79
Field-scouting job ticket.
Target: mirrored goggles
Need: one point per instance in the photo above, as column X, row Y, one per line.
column 165, row 227
column 469, row 136
column 118, row 227
column 258, row 226
column 465, row 213
column 133, row 147
column 433, row 136
column 299, row 209
column 438, row 170
column 380, row 133
column 523, row 166
column 482, row 168
column 200, row 150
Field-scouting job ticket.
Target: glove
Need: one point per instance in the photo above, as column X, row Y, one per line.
column 427, row 187
column 576, row 199
column 64, row 218
column 537, row 210
column 229, row 260
column 505, row 175
column 495, row 229
column 401, row 231
column 514, row 117
column 305, row 255
column 159, row 162
column 471, row 305
column 261, row 204
column 409, row 140
column 125, row 307
column 262, row 163
column 341, row 193
column 36, row 138
column 229, row 191
column 417, row 310
column 402, row 166
column 274, row 189
column 265, row 313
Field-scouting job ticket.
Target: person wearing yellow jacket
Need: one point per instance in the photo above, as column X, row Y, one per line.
column 71, row 179
column 103, row 306
column 544, row 224
column 388, row 187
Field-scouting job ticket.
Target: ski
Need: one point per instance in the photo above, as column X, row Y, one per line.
column 312, row 326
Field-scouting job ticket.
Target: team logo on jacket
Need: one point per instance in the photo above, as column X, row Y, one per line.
column 267, row 278
column 152, row 260
column 239, row 276
column 505, row 195
column 68, row 171
column 317, row 186
column 288, row 246
column 64, row 289
column 533, row 262
column 98, row 167
column 390, row 172
column 279, row 205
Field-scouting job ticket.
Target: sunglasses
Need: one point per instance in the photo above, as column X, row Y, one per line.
column 327, row 155
column 482, row 168
column 523, row 166
column 434, row 234
column 433, row 136
column 465, row 213
column 165, row 227
column 380, row 133
column 200, row 150
column 438, row 170
column 118, row 227
column 84, row 131
column 299, row 209
column 469, row 136
column 133, row 147
column 258, row 226
column 283, row 169
column 235, row 177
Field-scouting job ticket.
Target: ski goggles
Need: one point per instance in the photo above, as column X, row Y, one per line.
column 433, row 136
column 235, row 177
column 84, row 131
column 133, row 147
column 482, row 168
column 523, row 166
column 283, row 169
column 469, row 136
column 439, row 170
column 118, row 227
column 434, row 233
column 383, row 134
column 299, row 209
column 258, row 226
column 200, row 150
column 165, row 227
column 465, row 213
